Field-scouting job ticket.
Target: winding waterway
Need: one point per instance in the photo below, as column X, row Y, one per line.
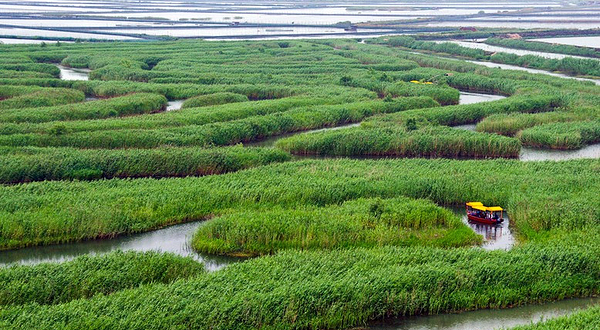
column 175, row 239
column 490, row 319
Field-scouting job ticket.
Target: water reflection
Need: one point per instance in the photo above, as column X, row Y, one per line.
column 174, row 105
column 530, row 154
column 471, row 98
column 175, row 239
column 495, row 237
column 490, row 319
column 73, row 74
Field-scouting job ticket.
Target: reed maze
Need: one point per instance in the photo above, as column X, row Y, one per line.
column 338, row 227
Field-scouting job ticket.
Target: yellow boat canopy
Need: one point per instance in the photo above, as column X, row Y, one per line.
column 471, row 204
column 494, row 208
column 480, row 208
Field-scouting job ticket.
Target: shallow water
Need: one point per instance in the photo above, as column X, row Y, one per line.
column 518, row 68
column 593, row 42
column 495, row 237
column 174, row 105
column 532, row 154
column 490, row 319
column 471, row 98
column 175, row 239
column 520, row 52
column 67, row 73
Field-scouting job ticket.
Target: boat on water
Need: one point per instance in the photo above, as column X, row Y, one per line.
column 491, row 215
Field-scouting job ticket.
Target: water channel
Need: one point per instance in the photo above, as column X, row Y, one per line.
column 67, row 73
column 490, row 319
column 175, row 239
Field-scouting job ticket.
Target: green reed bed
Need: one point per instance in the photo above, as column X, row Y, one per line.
column 46, row 97
column 581, row 320
column 511, row 124
column 214, row 99
column 87, row 276
column 443, row 94
column 121, row 106
column 540, row 196
column 184, row 117
column 223, row 133
column 333, row 290
column 363, row 222
column 38, row 164
column 34, row 67
column 569, row 135
column 472, row 113
column 429, row 141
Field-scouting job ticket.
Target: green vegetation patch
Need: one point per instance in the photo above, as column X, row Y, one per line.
column 28, row 164
column 333, row 289
column 407, row 141
column 363, row 222
column 214, row 99
column 86, row 276
column 121, row 106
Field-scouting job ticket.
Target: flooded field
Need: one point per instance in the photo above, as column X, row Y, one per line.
column 520, row 52
column 129, row 20
column 593, row 42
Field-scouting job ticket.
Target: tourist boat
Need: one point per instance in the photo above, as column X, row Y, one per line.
column 490, row 215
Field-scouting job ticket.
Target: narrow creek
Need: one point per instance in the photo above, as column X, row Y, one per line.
column 465, row 98
column 520, row 52
column 175, row 239
column 67, row 73
column 489, row 319
column 174, row 105
column 518, row 68
column 532, row 154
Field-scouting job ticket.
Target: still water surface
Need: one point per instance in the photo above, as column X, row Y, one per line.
column 490, row 319
column 67, row 73
column 175, row 239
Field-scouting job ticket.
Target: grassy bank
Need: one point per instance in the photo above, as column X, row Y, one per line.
column 570, row 135
column 362, row 222
column 121, row 106
column 543, row 199
column 428, row 141
column 38, row 164
column 87, row 276
column 223, row 133
column 334, row 289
